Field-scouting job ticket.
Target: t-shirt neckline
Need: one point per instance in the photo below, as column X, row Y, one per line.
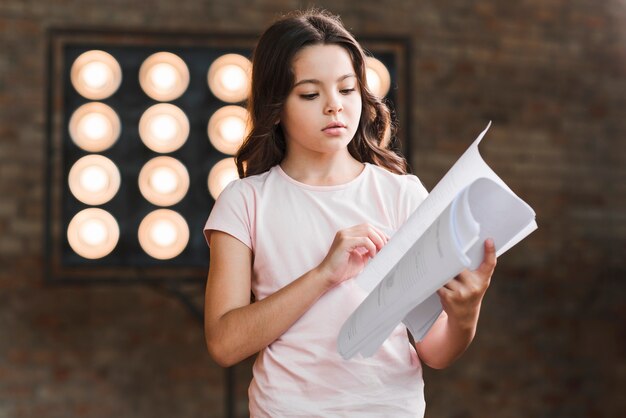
column 341, row 186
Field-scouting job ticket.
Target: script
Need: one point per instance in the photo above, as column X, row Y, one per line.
column 444, row 236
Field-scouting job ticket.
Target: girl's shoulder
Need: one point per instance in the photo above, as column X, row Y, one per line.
column 400, row 182
column 250, row 183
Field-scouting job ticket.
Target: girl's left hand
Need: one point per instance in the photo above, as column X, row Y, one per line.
column 461, row 297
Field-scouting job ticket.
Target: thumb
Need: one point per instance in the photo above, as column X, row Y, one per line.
column 489, row 262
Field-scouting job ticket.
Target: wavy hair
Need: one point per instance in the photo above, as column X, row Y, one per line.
column 273, row 80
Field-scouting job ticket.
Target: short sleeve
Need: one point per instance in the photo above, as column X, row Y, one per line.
column 232, row 213
column 413, row 194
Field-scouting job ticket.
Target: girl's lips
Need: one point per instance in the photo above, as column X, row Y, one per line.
column 334, row 125
column 335, row 131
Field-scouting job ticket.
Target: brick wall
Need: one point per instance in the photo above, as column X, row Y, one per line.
column 551, row 342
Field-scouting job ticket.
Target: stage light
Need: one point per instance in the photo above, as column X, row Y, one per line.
column 221, row 175
column 164, row 76
column 206, row 80
column 163, row 234
column 93, row 233
column 164, row 128
column 227, row 128
column 229, row 77
column 94, row 179
column 378, row 78
column 94, row 127
column 163, row 181
column 96, row 75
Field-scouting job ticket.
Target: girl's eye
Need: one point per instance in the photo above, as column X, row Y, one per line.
column 346, row 91
column 309, row 96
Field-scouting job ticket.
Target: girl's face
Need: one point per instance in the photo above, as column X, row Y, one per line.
column 323, row 110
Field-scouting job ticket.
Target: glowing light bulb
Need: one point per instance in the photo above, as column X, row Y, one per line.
column 377, row 77
column 163, row 233
column 164, row 127
column 221, row 175
column 226, row 177
column 229, row 77
column 96, row 74
column 163, row 76
column 233, row 77
column 227, row 128
column 95, row 126
column 164, row 180
column 93, row 232
column 94, row 179
column 232, row 129
column 373, row 80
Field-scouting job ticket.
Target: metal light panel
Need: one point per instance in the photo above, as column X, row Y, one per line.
column 102, row 228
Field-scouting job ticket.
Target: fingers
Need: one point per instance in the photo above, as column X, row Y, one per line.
column 355, row 243
column 489, row 262
column 470, row 286
column 453, row 284
column 365, row 235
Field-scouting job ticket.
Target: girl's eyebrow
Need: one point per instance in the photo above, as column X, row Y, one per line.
column 314, row 81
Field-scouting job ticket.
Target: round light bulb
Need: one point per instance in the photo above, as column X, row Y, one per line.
column 163, row 233
column 163, row 76
column 373, row 80
column 377, row 77
column 229, row 77
column 221, row 175
column 163, row 128
column 94, row 179
column 232, row 129
column 228, row 128
column 93, row 232
column 94, row 127
column 233, row 77
column 164, row 180
column 96, row 74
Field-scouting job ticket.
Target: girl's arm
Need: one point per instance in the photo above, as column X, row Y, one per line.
column 234, row 328
column 461, row 299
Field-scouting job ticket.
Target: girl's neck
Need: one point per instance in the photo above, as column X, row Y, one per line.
column 339, row 169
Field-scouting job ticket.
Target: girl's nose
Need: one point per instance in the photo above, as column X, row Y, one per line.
column 333, row 107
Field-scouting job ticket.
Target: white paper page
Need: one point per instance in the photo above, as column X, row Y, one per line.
column 454, row 242
column 469, row 167
column 434, row 255
column 423, row 316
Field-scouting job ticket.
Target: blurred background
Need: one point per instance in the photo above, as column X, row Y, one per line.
column 550, row 75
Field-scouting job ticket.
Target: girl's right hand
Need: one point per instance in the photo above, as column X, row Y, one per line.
column 350, row 251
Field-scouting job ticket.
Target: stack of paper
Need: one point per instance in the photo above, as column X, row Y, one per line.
column 444, row 236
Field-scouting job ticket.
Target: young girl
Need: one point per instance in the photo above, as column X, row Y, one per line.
column 320, row 194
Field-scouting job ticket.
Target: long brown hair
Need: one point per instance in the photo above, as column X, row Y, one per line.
column 273, row 79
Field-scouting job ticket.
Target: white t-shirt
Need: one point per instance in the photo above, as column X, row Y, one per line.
column 289, row 226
